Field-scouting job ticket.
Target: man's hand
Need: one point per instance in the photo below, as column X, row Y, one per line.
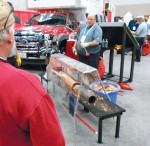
column 85, row 45
column 18, row 59
column 74, row 50
column 133, row 32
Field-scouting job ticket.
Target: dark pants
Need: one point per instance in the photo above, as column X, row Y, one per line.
column 12, row 61
column 92, row 60
column 140, row 40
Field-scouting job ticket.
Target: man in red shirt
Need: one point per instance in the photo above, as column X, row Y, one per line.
column 27, row 113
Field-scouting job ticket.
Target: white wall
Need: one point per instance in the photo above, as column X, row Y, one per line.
column 94, row 6
column 136, row 7
column 18, row 4
column 78, row 7
column 140, row 7
column 50, row 3
column 91, row 5
column 127, row 2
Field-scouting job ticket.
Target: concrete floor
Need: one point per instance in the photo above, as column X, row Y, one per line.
column 134, row 126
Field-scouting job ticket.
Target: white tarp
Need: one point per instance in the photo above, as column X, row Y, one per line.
column 135, row 9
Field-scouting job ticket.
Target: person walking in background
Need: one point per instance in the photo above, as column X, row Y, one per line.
column 148, row 25
column 88, row 42
column 140, row 35
column 27, row 113
column 133, row 24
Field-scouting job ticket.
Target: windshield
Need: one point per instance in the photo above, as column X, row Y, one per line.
column 48, row 19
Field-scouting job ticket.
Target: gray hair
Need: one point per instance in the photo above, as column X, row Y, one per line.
column 92, row 14
column 141, row 19
column 4, row 35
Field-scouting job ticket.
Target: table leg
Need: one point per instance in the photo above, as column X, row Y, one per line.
column 132, row 65
column 111, row 58
column 117, row 126
column 100, row 131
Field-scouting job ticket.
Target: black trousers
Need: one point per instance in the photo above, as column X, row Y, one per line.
column 92, row 60
column 140, row 40
column 12, row 61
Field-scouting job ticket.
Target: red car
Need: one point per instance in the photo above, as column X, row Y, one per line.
column 44, row 34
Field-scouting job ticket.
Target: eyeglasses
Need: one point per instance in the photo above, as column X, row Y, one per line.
column 11, row 10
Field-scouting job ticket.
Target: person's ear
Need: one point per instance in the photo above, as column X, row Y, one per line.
column 11, row 35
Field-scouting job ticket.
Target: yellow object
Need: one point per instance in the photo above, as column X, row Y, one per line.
column 118, row 47
column 18, row 59
column 75, row 53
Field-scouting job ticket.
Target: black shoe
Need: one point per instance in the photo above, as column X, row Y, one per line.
column 137, row 60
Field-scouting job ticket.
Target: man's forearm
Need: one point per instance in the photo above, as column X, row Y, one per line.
column 93, row 43
column 75, row 44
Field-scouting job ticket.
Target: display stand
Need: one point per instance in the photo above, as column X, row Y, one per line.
column 74, row 77
column 60, row 63
column 119, row 33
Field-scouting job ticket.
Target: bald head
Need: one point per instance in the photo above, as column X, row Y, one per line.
column 91, row 19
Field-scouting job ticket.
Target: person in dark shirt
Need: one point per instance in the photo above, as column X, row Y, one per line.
column 133, row 24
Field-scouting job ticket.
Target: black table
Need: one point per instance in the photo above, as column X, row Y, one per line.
column 118, row 33
column 111, row 60
column 104, row 109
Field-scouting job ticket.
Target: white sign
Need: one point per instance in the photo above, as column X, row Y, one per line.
column 50, row 4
